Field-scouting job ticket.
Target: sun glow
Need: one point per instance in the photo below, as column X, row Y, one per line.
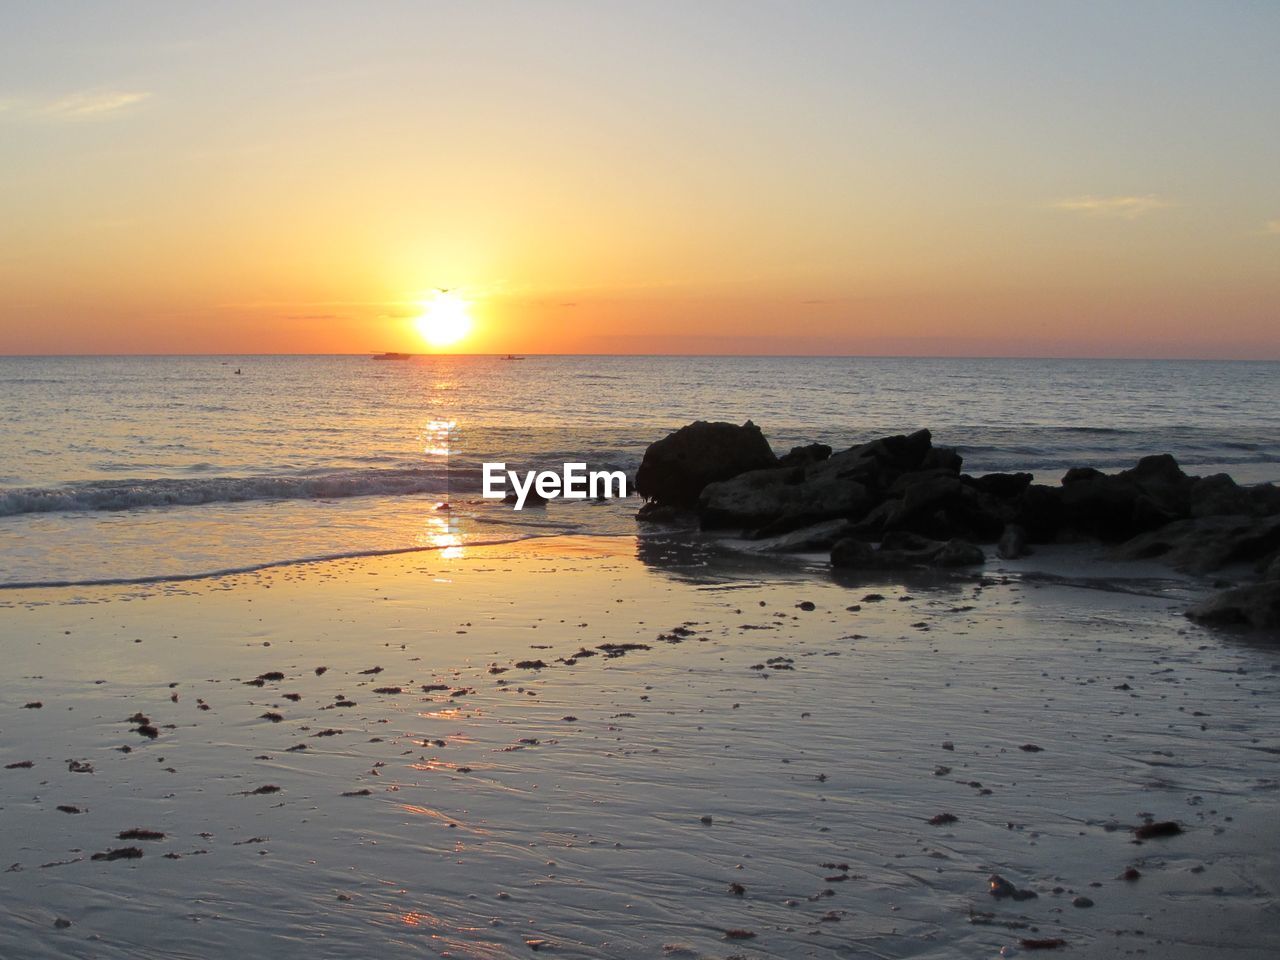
column 445, row 320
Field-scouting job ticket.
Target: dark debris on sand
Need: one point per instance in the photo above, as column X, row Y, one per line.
column 120, row 853
column 1164, row 828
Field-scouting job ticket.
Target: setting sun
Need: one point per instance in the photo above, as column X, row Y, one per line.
column 445, row 320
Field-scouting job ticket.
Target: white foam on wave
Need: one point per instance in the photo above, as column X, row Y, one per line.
column 135, row 494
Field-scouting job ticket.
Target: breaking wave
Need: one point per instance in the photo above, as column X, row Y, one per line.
column 134, row 494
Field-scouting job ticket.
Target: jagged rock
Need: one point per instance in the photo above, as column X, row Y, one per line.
column 939, row 479
column 943, row 458
column 661, row 513
column 851, row 554
column 959, row 553
column 780, row 499
column 1013, row 543
column 1269, row 567
column 1119, row 506
column 1039, row 512
column 1265, row 499
column 676, row 468
column 876, row 465
column 803, row 456
column 821, row 486
column 1219, row 496
column 532, row 498
column 1203, row 544
column 1255, row 605
column 1002, row 486
column 871, row 528
column 941, row 506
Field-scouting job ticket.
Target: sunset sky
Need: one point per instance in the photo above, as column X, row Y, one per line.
column 1046, row 179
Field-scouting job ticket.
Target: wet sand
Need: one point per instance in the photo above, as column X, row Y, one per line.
column 465, row 755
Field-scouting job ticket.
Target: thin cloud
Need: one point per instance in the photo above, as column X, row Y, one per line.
column 1272, row 226
column 87, row 105
column 1123, row 207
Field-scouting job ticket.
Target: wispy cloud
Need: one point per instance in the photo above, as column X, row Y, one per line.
column 1272, row 226
column 90, row 105
column 83, row 105
column 1123, row 207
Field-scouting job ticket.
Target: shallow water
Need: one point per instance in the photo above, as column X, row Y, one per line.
column 592, row 838
column 128, row 467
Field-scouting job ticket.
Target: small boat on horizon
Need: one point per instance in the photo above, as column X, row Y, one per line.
column 512, row 356
column 391, row 356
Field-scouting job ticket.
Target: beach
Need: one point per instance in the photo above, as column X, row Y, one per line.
column 620, row 481
column 620, row 746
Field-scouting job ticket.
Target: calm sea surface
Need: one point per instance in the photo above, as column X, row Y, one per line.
column 156, row 467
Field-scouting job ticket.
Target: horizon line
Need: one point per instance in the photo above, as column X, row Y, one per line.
column 762, row 356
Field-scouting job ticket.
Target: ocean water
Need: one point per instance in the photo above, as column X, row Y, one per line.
column 157, row 468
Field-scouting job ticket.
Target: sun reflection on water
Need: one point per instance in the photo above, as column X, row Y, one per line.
column 436, row 435
column 438, row 532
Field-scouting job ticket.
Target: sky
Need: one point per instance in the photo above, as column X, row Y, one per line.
column 889, row 178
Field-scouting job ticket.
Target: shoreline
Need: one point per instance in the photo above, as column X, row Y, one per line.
column 825, row 754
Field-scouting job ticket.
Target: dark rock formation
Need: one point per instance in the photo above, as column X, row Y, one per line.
column 1205, row 544
column 1002, row 486
column 676, row 468
column 803, row 456
column 779, row 500
column 1255, row 605
column 908, row 496
column 1012, row 543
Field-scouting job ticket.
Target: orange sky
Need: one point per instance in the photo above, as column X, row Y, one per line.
column 735, row 178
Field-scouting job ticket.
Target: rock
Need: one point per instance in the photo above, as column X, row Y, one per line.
column 1001, row 889
column 1217, row 496
column 1095, row 506
column 851, row 554
column 818, row 537
column 959, row 553
column 1039, row 512
column 1013, row 542
column 1082, row 902
column 1164, row 828
column 1255, row 605
column 1270, row 568
column 661, row 513
column 1116, row 507
column 676, row 468
column 1204, row 544
column 938, row 505
column 532, row 498
column 925, row 487
column 1264, row 498
column 871, row 527
column 876, row 465
column 1002, row 486
column 803, row 456
column 779, row 500
column 942, row 458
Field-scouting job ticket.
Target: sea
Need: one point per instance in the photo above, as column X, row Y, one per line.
column 163, row 469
